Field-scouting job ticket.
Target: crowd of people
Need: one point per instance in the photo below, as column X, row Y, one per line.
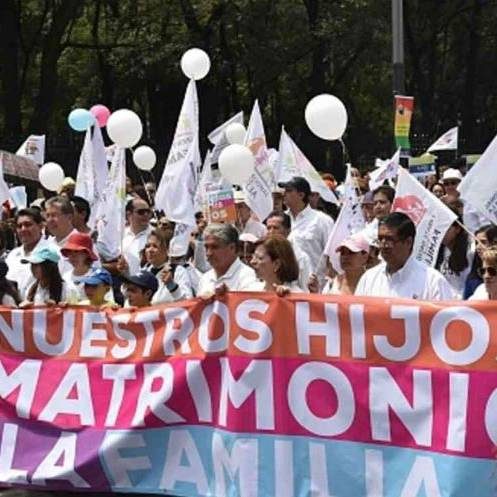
column 49, row 254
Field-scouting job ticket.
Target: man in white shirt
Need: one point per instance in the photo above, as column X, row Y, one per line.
column 59, row 214
column 278, row 223
column 228, row 271
column 310, row 228
column 138, row 214
column 400, row 274
column 29, row 228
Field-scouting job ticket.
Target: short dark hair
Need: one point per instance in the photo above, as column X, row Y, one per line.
column 386, row 190
column 33, row 213
column 130, row 207
column 285, row 218
column 64, row 204
column 82, row 205
column 401, row 222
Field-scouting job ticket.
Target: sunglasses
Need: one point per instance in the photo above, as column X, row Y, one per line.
column 451, row 182
column 142, row 212
column 492, row 271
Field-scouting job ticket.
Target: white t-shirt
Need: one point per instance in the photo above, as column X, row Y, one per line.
column 456, row 280
column 42, row 295
column 239, row 277
column 259, row 286
column 415, row 280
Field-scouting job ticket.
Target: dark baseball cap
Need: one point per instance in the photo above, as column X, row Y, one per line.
column 143, row 279
column 296, row 183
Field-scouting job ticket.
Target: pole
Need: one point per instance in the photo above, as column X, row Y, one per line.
column 398, row 48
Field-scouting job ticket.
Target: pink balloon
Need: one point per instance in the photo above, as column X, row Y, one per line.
column 101, row 113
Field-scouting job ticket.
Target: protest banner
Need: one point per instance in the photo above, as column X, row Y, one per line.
column 346, row 396
column 404, row 107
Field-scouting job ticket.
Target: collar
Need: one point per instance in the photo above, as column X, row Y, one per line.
column 404, row 271
column 303, row 213
column 236, row 266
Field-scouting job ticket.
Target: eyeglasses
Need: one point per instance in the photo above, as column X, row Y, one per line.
column 492, row 271
column 142, row 212
column 387, row 242
column 454, row 182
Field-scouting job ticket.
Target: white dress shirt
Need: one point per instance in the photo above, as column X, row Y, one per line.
column 415, row 280
column 259, row 286
column 305, row 266
column 132, row 247
column 238, row 277
column 310, row 232
column 21, row 273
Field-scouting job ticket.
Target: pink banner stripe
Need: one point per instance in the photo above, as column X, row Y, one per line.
column 452, row 410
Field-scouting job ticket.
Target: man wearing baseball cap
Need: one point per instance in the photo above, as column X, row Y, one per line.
column 310, row 228
column 140, row 288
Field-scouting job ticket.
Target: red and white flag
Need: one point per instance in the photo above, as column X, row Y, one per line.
column 430, row 215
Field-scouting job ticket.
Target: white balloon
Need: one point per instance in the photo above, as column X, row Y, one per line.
column 51, row 176
column 326, row 117
column 195, row 63
column 236, row 164
column 124, row 128
column 235, row 133
column 144, row 158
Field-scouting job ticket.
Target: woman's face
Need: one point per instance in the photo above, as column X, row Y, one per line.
column 481, row 242
column 77, row 257
column 438, row 191
column 382, row 205
column 264, row 267
column 489, row 274
column 155, row 253
column 352, row 261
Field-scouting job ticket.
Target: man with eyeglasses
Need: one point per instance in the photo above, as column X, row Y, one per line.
column 400, row 274
column 138, row 215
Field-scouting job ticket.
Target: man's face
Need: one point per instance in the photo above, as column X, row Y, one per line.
column 137, row 296
column 275, row 226
column 292, row 198
column 28, row 231
column 219, row 254
column 394, row 251
column 242, row 212
column 57, row 222
column 140, row 216
column 451, row 185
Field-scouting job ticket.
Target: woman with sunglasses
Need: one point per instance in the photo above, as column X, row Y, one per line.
column 488, row 289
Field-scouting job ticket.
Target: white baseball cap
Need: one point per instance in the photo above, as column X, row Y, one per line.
column 451, row 173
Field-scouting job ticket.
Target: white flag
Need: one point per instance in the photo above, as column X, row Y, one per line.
column 430, row 215
column 294, row 163
column 176, row 192
column 258, row 187
column 4, row 189
column 350, row 220
column 111, row 209
column 479, row 185
column 218, row 137
column 33, row 148
column 448, row 141
column 388, row 170
column 204, row 180
column 19, row 196
column 92, row 171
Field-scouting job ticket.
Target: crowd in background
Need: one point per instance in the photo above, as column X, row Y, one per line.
column 49, row 255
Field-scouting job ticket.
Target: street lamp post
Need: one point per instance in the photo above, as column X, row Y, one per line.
column 398, row 48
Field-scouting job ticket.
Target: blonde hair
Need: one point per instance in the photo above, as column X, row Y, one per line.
column 490, row 255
